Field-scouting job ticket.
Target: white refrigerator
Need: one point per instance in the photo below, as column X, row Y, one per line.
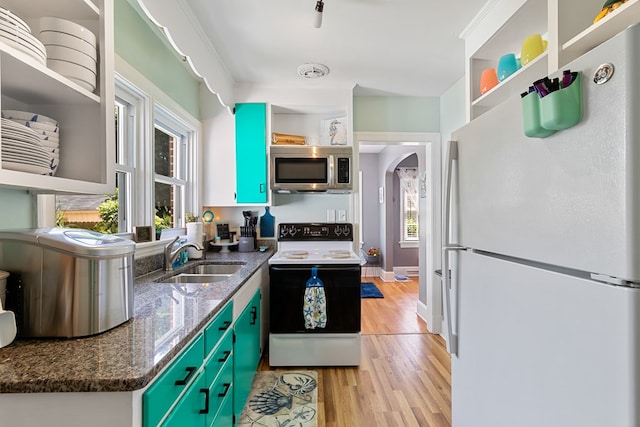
column 542, row 246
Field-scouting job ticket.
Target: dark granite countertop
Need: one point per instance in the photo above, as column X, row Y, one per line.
column 125, row 358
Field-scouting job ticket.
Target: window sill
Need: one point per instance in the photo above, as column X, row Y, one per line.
column 409, row 244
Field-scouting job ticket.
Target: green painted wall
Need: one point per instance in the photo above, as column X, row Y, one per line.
column 17, row 209
column 452, row 110
column 396, row 114
column 137, row 44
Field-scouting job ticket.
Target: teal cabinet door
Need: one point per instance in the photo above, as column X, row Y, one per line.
column 251, row 153
column 165, row 390
column 246, row 352
column 193, row 407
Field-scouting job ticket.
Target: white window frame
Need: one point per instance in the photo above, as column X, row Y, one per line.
column 156, row 107
column 406, row 241
column 148, row 101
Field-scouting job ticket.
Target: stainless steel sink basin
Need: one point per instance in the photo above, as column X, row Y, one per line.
column 198, row 278
column 226, row 269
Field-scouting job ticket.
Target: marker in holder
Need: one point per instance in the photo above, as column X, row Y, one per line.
column 560, row 108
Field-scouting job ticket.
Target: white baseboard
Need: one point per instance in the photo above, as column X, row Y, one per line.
column 407, row 271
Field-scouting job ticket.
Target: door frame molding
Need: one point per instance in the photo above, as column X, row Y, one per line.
column 429, row 305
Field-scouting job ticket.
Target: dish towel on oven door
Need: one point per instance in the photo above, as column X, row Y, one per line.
column 315, row 302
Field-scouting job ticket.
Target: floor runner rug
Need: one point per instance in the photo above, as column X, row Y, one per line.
column 282, row 399
column 369, row 290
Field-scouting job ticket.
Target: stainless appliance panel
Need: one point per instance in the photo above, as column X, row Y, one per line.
column 55, row 293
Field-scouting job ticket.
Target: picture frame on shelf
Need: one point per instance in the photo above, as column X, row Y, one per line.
column 143, row 234
column 222, row 231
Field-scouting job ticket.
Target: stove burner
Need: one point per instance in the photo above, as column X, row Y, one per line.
column 295, row 254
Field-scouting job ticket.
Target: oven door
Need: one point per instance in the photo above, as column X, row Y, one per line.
column 342, row 290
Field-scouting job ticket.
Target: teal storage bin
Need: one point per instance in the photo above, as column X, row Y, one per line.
column 562, row 109
column 531, row 117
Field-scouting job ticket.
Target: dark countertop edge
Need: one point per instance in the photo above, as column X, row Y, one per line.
column 138, row 382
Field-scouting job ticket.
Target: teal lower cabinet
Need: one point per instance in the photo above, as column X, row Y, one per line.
column 192, row 407
column 219, row 376
column 247, row 352
column 168, row 387
column 192, row 390
column 225, row 416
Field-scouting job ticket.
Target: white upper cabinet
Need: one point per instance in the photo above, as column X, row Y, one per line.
column 86, row 118
column 502, row 25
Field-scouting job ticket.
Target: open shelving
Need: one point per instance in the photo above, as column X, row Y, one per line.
column 503, row 24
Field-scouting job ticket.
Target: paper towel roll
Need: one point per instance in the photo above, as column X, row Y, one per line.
column 8, row 329
column 195, row 233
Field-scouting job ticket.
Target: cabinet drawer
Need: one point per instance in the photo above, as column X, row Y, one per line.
column 220, row 356
column 164, row 391
column 220, row 391
column 224, row 417
column 217, row 327
column 192, row 408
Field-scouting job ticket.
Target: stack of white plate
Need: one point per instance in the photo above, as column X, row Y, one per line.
column 45, row 130
column 71, row 50
column 14, row 32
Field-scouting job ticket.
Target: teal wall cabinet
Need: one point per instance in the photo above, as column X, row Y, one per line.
column 247, row 352
column 251, row 153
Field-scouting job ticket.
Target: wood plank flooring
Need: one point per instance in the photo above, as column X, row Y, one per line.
column 405, row 375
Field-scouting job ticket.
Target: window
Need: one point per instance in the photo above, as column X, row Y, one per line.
column 107, row 213
column 173, row 147
column 408, row 206
column 155, row 169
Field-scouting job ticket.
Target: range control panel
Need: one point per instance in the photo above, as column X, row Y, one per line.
column 315, row 231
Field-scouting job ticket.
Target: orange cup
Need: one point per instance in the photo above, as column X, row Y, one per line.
column 488, row 80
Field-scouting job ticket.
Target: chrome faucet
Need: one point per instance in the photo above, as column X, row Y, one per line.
column 170, row 256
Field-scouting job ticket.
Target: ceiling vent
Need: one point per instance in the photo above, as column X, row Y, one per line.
column 313, row 71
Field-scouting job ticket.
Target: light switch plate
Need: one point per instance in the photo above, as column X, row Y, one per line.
column 342, row 215
column 331, row 215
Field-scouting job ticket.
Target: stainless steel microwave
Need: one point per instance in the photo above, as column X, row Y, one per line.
column 311, row 169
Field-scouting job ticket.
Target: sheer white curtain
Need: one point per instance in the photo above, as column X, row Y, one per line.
column 409, row 182
column 409, row 204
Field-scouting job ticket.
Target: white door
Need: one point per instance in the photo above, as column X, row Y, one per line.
column 539, row 348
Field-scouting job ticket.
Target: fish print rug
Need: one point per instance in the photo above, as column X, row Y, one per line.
column 279, row 399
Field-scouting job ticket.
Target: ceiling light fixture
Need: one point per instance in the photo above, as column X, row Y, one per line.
column 313, row 71
column 317, row 19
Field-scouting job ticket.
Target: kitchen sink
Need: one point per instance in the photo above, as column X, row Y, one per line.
column 197, row 278
column 214, row 269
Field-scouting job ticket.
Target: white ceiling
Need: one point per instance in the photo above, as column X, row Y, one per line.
column 382, row 47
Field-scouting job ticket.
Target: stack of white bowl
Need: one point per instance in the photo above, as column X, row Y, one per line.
column 46, row 129
column 14, row 32
column 71, row 50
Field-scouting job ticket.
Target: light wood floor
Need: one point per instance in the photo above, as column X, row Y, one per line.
column 405, row 375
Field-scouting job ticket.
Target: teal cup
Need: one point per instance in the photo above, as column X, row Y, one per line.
column 507, row 65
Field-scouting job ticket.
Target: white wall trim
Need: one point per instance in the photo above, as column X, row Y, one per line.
column 430, row 246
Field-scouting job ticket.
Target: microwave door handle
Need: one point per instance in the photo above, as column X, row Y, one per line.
column 331, row 172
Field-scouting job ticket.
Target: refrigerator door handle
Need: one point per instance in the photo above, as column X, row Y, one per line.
column 452, row 156
column 452, row 341
column 452, row 336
